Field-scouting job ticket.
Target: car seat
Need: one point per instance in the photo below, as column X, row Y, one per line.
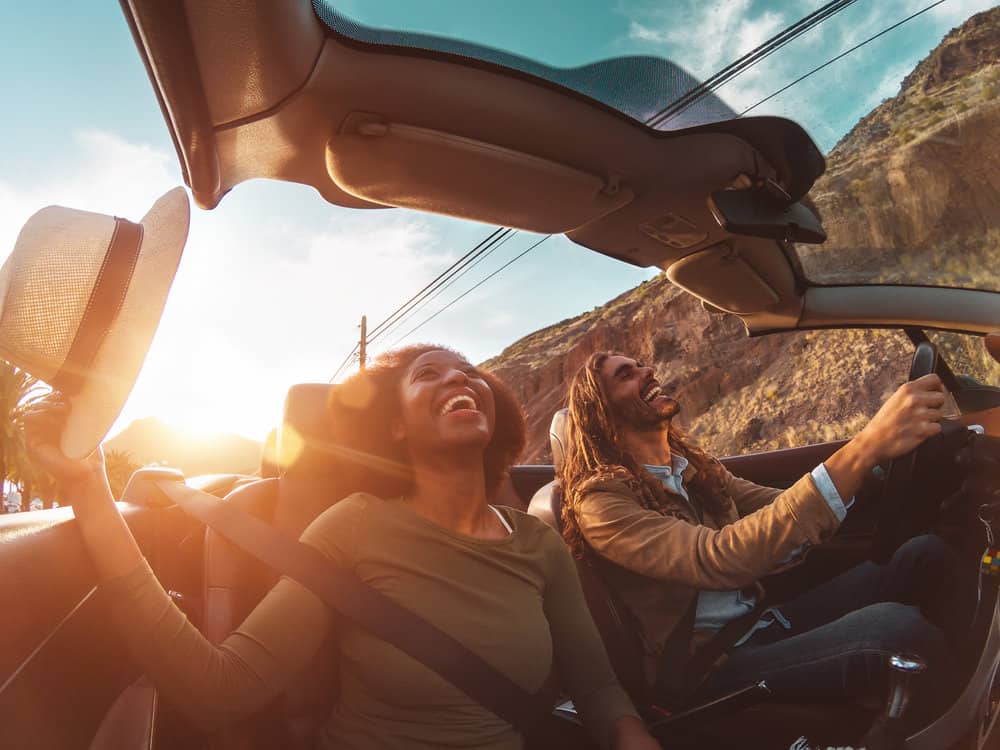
column 613, row 620
column 309, row 479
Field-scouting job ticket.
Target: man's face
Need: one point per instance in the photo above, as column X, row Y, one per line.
column 634, row 395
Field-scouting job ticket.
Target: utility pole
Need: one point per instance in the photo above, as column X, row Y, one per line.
column 363, row 344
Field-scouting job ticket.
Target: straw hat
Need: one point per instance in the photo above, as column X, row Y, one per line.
column 80, row 298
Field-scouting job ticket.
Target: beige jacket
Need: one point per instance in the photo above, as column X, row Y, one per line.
column 662, row 560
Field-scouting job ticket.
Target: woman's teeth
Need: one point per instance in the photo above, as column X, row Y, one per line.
column 653, row 393
column 457, row 402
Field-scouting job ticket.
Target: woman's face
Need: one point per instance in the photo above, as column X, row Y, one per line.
column 446, row 404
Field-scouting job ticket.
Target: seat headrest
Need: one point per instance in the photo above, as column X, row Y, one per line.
column 306, row 431
column 557, row 438
column 269, row 455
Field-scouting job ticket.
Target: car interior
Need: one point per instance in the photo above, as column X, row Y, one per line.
column 273, row 92
column 218, row 584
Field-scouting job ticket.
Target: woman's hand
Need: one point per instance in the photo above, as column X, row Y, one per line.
column 84, row 485
column 44, row 420
column 911, row 415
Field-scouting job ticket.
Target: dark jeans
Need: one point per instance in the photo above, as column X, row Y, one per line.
column 843, row 632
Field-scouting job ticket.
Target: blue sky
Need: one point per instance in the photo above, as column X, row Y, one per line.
column 274, row 280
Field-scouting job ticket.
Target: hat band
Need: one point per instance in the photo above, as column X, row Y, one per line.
column 105, row 302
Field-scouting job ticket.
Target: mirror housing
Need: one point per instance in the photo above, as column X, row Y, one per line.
column 759, row 212
column 992, row 342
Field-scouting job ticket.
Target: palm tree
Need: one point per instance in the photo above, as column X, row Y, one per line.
column 16, row 389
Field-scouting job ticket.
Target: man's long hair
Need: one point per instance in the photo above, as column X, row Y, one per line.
column 594, row 453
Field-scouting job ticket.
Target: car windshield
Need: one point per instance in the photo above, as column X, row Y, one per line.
column 901, row 129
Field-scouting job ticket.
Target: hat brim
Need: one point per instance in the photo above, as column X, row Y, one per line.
column 114, row 369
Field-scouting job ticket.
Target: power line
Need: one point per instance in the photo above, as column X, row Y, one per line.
column 402, row 309
column 437, row 293
column 470, row 256
column 747, row 61
column 814, row 19
column 842, row 54
column 351, row 357
column 468, row 261
column 471, row 289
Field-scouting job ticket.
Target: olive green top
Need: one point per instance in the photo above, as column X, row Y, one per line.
column 515, row 601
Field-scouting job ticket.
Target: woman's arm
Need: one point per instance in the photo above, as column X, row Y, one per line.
column 581, row 661
column 211, row 684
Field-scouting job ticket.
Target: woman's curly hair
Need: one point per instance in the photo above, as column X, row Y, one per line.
column 594, row 453
column 365, row 406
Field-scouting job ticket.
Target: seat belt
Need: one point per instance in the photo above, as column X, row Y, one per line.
column 349, row 596
column 670, row 690
column 680, row 673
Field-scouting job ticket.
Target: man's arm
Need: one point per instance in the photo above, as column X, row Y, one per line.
column 618, row 528
column 911, row 415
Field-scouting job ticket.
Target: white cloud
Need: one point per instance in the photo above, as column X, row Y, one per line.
column 955, row 11
column 95, row 171
column 705, row 37
column 710, row 35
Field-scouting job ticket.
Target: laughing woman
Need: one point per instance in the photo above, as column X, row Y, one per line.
column 497, row 580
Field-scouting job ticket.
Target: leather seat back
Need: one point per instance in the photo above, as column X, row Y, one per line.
column 310, row 479
column 613, row 620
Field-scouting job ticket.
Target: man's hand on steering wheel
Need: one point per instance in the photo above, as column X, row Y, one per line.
column 911, row 415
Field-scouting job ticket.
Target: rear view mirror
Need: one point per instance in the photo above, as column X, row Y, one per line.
column 758, row 212
column 992, row 341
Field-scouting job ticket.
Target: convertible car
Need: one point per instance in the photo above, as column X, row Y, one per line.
column 729, row 207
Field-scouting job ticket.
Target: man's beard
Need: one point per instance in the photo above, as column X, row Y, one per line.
column 651, row 419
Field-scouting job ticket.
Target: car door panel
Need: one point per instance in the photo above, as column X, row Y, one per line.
column 780, row 468
column 63, row 664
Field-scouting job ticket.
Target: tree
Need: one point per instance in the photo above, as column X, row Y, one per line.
column 120, row 467
column 17, row 388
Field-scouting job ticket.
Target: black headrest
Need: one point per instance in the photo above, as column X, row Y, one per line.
column 321, row 439
column 269, row 455
column 557, row 438
column 306, row 431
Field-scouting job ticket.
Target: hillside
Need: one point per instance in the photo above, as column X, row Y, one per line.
column 919, row 172
column 151, row 441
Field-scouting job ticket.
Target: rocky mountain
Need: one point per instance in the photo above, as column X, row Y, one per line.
column 911, row 193
column 919, row 173
column 150, row 441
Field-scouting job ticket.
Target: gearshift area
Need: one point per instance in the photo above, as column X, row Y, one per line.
column 903, row 671
column 889, row 732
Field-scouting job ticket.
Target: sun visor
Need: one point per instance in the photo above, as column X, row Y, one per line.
column 722, row 278
column 430, row 170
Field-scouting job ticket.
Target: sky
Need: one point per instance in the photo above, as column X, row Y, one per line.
column 274, row 281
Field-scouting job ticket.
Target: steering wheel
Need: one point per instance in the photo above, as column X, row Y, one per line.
column 892, row 527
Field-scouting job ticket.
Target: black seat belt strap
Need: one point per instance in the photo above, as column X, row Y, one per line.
column 680, row 672
column 347, row 595
column 670, row 690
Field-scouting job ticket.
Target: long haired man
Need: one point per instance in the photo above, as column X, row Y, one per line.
column 677, row 535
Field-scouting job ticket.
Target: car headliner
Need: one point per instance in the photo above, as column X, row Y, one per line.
column 373, row 126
